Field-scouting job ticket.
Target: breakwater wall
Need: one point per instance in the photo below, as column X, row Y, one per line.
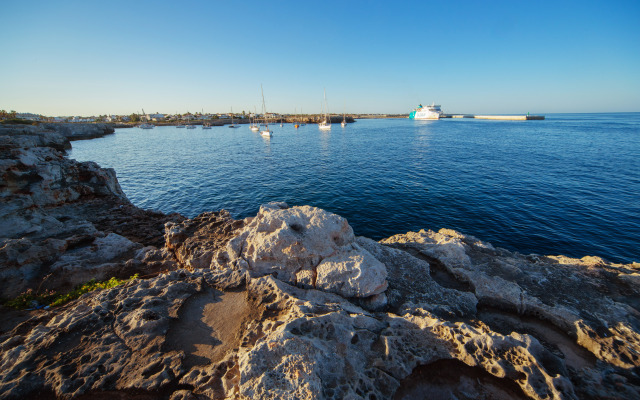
column 496, row 117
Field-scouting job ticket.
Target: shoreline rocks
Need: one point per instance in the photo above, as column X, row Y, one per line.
column 58, row 214
column 289, row 303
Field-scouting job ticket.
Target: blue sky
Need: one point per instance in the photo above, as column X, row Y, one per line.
column 117, row 57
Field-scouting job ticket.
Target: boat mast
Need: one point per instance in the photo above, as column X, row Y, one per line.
column 264, row 108
column 326, row 107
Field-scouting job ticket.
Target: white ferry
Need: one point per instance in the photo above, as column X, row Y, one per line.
column 426, row 112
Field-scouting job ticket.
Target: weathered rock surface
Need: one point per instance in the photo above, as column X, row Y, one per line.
column 280, row 342
column 58, row 215
column 196, row 241
column 305, row 246
column 290, row 304
column 70, row 131
column 227, row 332
column 586, row 310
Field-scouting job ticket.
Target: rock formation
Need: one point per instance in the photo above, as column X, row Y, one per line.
column 59, row 215
column 290, row 304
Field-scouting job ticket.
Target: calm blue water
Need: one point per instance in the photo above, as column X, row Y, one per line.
column 567, row 185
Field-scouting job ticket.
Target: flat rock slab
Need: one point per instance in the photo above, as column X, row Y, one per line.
column 208, row 326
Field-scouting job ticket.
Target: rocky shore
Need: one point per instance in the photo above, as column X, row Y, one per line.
column 288, row 304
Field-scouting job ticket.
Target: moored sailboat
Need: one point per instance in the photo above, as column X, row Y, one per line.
column 190, row 124
column 146, row 125
column 325, row 124
column 179, row 118
column 253, row 125
column 265, row 132
column 232, row 124
column 205, row 125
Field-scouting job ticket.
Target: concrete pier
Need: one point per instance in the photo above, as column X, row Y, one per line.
column 496, row 117
column 510, row 117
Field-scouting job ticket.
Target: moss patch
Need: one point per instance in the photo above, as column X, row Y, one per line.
column 29, row 299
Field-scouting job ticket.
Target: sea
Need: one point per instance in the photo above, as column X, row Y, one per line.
column 569, row 184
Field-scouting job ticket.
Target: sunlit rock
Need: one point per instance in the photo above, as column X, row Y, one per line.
column 307, row 246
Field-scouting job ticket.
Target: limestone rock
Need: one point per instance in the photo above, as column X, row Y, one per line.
column 589, row 299
column 306, row 246
column 224, row 334
column 57, row 215
column 195, row 241
column 413, row 282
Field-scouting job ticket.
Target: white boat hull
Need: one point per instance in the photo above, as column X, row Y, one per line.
column 426, row 116
column 266, row 133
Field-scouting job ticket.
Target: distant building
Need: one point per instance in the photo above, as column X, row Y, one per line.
column 83, row 119
column 30, row 116
column 156, row 117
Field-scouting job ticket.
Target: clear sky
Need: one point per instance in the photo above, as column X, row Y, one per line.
column 117, row 57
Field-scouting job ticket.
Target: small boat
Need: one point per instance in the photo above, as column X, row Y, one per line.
column 191, row 126
column 296, row 124
column 146, row 125
column 180, row 124
column 325, row 124
column 232, row 124
column 253, row 125
column 344, row 119
column 205, row 125
column 265, row 132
